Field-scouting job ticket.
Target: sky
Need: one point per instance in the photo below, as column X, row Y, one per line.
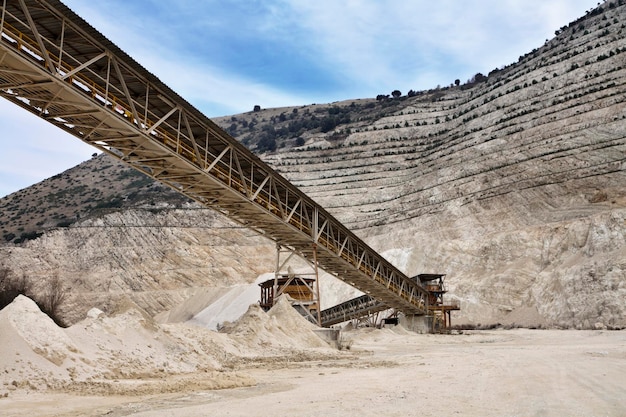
column 226, row 56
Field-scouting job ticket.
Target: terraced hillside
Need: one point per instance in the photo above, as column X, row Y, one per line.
column 557, row 115
column 514, row 185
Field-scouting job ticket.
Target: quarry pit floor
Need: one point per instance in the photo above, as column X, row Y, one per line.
column 387, row 372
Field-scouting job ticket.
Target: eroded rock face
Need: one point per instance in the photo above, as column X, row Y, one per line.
column 514, row 187
column 158, row 258
column 567, row 273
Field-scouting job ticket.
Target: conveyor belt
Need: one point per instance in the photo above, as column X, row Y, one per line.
column 55, row 65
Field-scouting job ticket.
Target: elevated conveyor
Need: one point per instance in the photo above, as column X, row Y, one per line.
column 367, row 305
column 55, row 65
column 352, row 309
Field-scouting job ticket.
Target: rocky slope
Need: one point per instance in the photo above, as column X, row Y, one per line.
column 514, row 185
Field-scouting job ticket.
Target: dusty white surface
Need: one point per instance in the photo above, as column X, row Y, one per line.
column 501, row 373
column 231, row 305
column 388, row 372
column 129, row 353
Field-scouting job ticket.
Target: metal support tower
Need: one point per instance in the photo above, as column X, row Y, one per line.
column 284, row 256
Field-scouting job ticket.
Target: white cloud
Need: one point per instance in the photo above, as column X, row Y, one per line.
column 377, row 41
column 216, row 93
column 190, row 74
column 33, row 149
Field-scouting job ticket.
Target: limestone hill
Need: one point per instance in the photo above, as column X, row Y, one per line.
column 514, row 185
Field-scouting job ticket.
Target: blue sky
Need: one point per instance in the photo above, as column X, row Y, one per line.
column 225, row 56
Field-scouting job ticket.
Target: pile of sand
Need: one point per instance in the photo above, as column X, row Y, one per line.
column 281, row 329
column 230, row 305
column 33, row 348
column 99, row 351
column 128, row 352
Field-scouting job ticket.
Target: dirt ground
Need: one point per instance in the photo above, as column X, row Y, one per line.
column 395, row 373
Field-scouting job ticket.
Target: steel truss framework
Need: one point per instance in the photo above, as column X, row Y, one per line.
column 284, row 269
column 355, row 308
column 53, row 64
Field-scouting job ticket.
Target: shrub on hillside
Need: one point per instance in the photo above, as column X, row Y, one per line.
column 11, row 286
column 266, row 143
column 49, row 300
